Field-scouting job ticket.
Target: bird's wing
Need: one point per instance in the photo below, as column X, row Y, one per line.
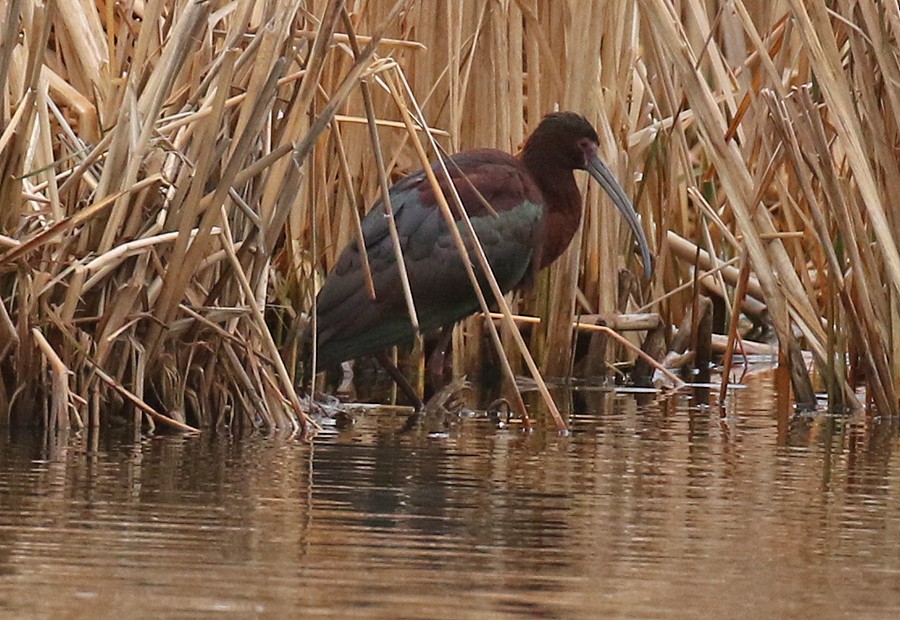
column 351, row 324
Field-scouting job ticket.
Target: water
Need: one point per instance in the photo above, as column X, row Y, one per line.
column 657, row 510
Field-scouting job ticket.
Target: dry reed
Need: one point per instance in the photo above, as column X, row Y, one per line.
column 172, row 168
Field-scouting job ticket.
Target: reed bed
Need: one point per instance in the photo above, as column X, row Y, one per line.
column 177, row 176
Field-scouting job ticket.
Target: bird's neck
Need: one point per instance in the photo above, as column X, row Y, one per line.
column 562, row 204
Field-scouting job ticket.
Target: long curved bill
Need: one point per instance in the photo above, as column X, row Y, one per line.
column 597, row 169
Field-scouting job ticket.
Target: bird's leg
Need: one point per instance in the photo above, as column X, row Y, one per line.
column 435, row 365
column 400, row 380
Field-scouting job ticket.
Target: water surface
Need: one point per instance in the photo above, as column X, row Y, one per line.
column 657, row 509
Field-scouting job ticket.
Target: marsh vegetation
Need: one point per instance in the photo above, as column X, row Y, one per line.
column 178, row 175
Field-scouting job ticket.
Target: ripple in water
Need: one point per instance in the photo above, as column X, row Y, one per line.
column 657, row 509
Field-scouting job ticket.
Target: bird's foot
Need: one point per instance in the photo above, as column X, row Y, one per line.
column 450, row 400
column 328, row 411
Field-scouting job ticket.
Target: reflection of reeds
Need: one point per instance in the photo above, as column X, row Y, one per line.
column 160, row 186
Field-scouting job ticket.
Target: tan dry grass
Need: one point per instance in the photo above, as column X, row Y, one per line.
column 170, row 167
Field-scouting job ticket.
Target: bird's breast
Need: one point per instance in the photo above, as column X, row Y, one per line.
column 562, row 217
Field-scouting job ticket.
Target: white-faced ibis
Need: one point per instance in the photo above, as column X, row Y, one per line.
column 536, row 210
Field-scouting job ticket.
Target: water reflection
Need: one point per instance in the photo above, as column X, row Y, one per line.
column 662, row 507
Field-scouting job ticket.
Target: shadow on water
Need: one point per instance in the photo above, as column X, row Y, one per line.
column 654, row 505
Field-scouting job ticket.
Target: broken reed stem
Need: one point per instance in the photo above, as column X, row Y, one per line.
column 67, row 224
column 688, row 284
column 604, row 329
column 138, row 402
column 354, row 209
column 302, row 422
column 384, row 186
column 733, row 335
column 60, row 394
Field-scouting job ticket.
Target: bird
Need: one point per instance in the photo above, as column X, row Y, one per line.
column 525, row 210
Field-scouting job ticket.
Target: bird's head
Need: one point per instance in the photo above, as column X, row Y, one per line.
column 568, row 140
